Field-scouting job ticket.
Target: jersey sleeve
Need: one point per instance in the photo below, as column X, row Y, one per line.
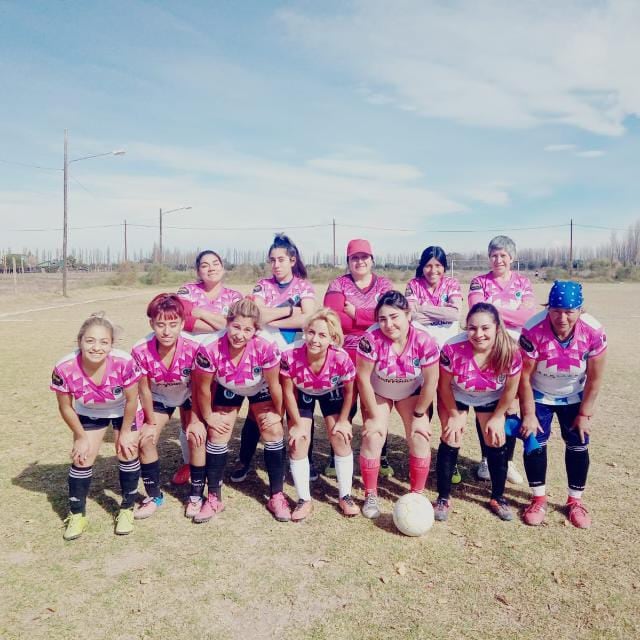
column 285, row 363
column 446, row 357
column 131, row 372
column 140, row 361
column 476, row 292
column 204, row 360
column 271, row 356
column 598, row 344
column 410, row 293
column 335, row 286
column 307, row 291
column 58, row 381
column 367, row 347
column 528, row 345
column 455, row 292
column 348, row 368
column 184, row 293
column 259, row 290
column 429, row 351
column 516, row 364
column 528, row 297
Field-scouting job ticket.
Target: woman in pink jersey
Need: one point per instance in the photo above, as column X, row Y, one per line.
column 166, row 359
column 97, row 386
column 512, row 294
column 285, row 301
column 354, row 296
column 206, row 303
column 564, row 360
column 318, row 369
column 243, row 365
column 480, row 369
column 397, row 365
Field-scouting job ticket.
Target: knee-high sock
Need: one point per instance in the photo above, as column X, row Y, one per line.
column 274, row 461
column 79, row 483
column 418, row 472
column 217, row 455
column 129, row 472
column 576, row 460
column 511, row 447
column 344, row 471
column 369, row 469
column 249, row 438
column 483, row 446
column 497, row 461
column 446, row 462
column 535, row 466
column 311, row 440
column 150, row 473
column 300, row 473
column 198, row 475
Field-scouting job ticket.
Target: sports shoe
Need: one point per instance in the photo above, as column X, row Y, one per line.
column 386, row 469
column 535, row 511
column 208, row 509
column 348, row 506
column 303, row 510
column 147, row 507
column 513, row 475
column 279, row 507
column 182, row 475
column 501, row 508
column 456, row 476
column 441, row 508
column 193, row 507
column 482, row 470
column 578, row 514
column 240, row 473
column 313, row 472
column 77, row 524
column 371, row 507
column 124, row 522
column 330, row 469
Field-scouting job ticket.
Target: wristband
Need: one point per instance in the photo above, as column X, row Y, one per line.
column 584, row 415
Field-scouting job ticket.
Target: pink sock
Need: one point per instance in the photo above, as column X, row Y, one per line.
column 418, row 472
column 369, row 468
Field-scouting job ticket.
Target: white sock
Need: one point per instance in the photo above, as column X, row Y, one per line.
column 344, row 471
column 300, row 473
column 539, row 491
column 184, row 445
column 574, row 493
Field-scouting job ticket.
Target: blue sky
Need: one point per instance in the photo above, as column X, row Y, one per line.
column 421, row 115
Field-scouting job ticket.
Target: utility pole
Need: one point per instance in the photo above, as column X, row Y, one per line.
column 571, row 248
column 65, row 229
column 334, row 242
column 160, row 245
column 125, row 242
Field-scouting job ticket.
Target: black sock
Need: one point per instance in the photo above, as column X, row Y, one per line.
column 445, row 463
column 129, row 471
column 150, row 473
column 249, row 438
column 511, row 447
column 577, row 464
column 483, row 446
column 198, row 474
column 311, row 439
column 216, row 462
column 384, row 448
column 497, row 461
column 535, row 466
column 274, row 461
column 79, row 483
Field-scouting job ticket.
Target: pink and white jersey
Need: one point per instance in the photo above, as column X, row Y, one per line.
column 194, row 292
column 364, row 300
column 561, row 371
column 104, row 400
column 274, row 295
column 337, row 369
column 169, row 385
column 246, row 378
column 394, row 376
column 446, row 293
column 471, row 385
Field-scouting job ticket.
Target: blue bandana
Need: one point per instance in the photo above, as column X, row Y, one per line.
column 566, row 294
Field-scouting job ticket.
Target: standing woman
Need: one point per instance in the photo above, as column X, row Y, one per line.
column 318, row 369
column 286, row 300
column 166, row 359
column 354, row 296
column 564, row 359
column 97, row 386
column 480, row 369
column 397, row 365
column 243, row 365
column 512, row 295
column 206, row 303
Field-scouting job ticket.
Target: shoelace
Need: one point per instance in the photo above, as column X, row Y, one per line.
column 442, row 502
column 348, row 499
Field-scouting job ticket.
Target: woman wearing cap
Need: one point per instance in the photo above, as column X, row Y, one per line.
column 511, row 293
column 564, row 359
column 354, row 296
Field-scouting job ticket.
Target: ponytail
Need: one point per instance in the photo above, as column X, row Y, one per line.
column 281, row 241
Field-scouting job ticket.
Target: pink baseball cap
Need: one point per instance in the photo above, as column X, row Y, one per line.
column 358, row 245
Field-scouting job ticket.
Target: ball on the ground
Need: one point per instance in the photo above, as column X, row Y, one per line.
column 413, row 514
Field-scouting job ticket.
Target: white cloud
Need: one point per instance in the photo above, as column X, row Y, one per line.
column 492, row 64
column 590, row 153
column 559, row 147
column 492, row 194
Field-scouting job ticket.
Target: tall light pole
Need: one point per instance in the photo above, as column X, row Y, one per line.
column 164, row 213
column 65, row 226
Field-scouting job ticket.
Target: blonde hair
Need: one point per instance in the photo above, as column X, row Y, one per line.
column 98, row 319
column 247, row 309
column 333, row 324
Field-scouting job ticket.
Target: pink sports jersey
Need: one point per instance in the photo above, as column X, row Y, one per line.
column 194, row 292
column 561, row 371
column 364, row 300
column 337, row 369
column 273, row 295
column 245, row 379
column 169, row 385
column 394, row 376
column 471, row 385
column 104, row 400
column 485, row 288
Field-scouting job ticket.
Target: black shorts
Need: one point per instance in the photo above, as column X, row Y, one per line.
column 160, row 407
column 483, row 408
column 330, row 403
column 227, row 398
column 93, row 424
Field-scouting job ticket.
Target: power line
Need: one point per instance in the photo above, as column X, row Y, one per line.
column 31, row 166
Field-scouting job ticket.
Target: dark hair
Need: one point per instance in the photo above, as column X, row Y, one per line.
column 392, row 298
column 168, row 305
column 202, row 254
column 281, row 241
column 431, row 252
column 504, row 347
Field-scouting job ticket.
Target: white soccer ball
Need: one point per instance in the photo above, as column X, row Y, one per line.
column 413, row 514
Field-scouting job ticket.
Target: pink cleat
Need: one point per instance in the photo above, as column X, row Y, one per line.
column 279, row 507
column 535, row 511
column 209, row 508
column 578, row 514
